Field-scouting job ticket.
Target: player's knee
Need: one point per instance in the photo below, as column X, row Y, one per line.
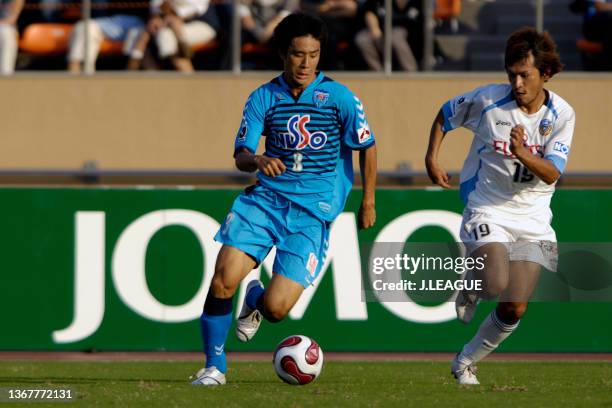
column 275, row 311
column 511, row 312
column 222, row 287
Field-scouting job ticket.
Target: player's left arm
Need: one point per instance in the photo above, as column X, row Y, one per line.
column 550, row 167
column 357, row 135
column 368, row 167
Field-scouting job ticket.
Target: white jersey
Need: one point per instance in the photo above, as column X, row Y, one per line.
column 492, row 178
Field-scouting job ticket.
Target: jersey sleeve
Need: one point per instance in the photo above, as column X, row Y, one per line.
column 356, row 132
column 557, row 148
column 463, row 111
column 252, row 124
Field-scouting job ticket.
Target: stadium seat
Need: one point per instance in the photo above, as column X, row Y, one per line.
column 255, row 48
column 448, row 10
column 589, row 47
column 206, row 46
column 45, row 39
column 111, row 47
column 53, row 39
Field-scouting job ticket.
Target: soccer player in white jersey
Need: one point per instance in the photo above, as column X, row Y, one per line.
column 522, row 138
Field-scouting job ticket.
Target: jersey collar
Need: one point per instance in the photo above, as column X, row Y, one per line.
column 318, row 78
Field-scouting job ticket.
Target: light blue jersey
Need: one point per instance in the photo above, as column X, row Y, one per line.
column 314, row 136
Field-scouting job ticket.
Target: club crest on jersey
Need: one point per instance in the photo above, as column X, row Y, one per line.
column 298, row 137
column 546, row 127
column 320, row 98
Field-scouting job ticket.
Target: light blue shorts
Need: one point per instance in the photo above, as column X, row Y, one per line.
column 260, row 219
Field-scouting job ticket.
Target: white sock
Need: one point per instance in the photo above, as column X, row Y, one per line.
column 491, row 333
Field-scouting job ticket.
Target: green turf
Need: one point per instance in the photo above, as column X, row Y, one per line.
column 378, row 384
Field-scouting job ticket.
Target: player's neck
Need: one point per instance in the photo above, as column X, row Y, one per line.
column 296, row 89
column 535, row 105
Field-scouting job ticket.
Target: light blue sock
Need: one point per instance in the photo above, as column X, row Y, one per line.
column 214, row 333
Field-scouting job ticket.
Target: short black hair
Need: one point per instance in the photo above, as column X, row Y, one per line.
column 298, row 25
column 541, row 45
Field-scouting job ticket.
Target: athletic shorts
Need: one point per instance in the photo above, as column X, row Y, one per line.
column 527, row 238
column 260, row 219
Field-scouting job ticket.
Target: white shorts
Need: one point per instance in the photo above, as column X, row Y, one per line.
column 527, row 238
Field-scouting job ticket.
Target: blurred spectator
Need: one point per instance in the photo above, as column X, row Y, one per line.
column 50, row 9
column 598, row 27
column 9, row 13
column 104, row 24
column 340, row 17
column 370, row 39
column 177, row 26
column 260, row 17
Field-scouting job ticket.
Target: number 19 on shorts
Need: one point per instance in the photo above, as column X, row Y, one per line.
column 481, row 230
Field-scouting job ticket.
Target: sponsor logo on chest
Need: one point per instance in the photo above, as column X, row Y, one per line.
column 298, row 137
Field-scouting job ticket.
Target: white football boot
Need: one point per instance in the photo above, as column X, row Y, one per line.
column 209, row 377
column 249, row 319
column 465, row 374
column 465, row 306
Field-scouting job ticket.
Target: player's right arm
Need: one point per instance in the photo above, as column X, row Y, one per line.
column 247, row 139
column 436, row 172
column 249, row 162
column 461, row 111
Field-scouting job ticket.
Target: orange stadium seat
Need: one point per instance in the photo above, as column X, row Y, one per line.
column 254, row 48
column 589, row 47
column 205, row 46
column 53, row 39
column 111, row 47
column 448, row 10
column 45, row 39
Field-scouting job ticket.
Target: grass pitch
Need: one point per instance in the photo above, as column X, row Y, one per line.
column 377, row 384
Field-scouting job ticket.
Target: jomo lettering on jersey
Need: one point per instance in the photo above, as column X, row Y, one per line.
column 491, row 176
column 313, row 135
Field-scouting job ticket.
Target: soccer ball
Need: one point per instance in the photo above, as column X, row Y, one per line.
column 298, row 360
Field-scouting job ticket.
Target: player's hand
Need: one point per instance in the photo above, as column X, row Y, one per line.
column 367, row 215
column 438, row 175
column 270, row 166
column 518, row 136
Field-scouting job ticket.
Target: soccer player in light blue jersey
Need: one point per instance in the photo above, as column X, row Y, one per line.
column 312, row 124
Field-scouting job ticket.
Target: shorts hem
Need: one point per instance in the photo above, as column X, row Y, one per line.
column 242, row 249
